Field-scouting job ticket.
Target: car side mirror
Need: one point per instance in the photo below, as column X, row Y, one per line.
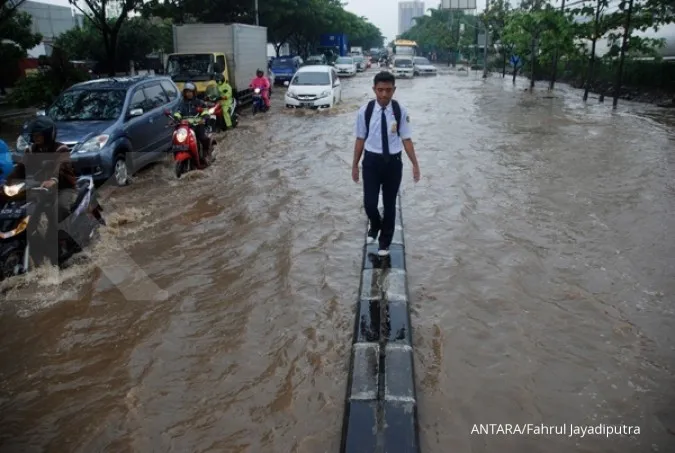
column 286, row 83
column 218, row 68
column 167, row 112
column 135, row 112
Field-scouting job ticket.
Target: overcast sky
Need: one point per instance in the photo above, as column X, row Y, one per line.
column 384, row 13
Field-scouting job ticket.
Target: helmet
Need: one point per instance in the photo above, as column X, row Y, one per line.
column 189, row 87
column 259, row 72
column 44, row 126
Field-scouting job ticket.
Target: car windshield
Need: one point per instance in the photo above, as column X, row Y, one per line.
column 311, row 78
column 183, row 68
column 343, row 60
column 282, row 63
column 88, row 105
column 358, row 59
column 421, row 60
column 403, row 64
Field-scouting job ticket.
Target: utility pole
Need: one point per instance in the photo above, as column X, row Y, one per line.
column 555, row 57
column 257, row 19
column 624, row 47
column 485, row 49
column 591, row 66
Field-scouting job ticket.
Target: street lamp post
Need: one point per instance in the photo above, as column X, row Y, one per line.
column 257, row 19
column 485, row 48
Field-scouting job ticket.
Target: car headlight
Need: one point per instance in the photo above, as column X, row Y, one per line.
column 325, row 94
column 21, row 144
column 291, row 95
column 93, row 144
column 14, row 189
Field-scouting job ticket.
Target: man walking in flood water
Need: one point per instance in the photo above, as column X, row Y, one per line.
column 383, row 130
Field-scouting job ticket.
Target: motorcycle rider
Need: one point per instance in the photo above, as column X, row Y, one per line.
column 49, row 161
column 260, row 81
column 188, row 108
column 225, row 91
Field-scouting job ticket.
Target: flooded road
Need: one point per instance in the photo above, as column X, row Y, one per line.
column 217, row 314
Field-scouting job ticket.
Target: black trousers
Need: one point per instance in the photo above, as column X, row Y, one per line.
column 380, row 172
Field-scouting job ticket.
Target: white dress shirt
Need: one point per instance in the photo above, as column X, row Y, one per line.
column 374, row 140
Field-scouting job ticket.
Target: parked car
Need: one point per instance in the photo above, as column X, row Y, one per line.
column 316, row 59
column 345, row 66
column 422, row 66
column 403, row 67
column 314, row 87
column 113, row 126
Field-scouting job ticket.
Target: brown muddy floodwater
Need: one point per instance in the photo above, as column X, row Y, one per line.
column 217, row 314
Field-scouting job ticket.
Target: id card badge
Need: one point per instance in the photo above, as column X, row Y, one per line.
column 393, row 127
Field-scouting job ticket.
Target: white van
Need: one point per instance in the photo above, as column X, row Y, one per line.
column 316, row 86
column 403, row 67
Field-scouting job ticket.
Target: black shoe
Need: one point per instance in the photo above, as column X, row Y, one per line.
column 372, row 236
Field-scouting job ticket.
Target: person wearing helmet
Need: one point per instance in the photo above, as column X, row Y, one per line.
column 48, row 161
column 225, row 91
column 188, row 108
column 260, row 81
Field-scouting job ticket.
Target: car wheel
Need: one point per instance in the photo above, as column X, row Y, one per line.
column 121, row 171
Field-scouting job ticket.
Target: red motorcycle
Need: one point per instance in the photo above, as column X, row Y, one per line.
column 188, row 152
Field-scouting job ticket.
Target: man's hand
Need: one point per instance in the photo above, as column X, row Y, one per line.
column 416, row 173
column 48, row 184
column 355, row 173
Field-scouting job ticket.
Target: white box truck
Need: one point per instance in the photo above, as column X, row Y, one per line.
column 202, row 50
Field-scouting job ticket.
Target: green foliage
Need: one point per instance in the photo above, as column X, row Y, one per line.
column 443, row 31
column 44, row 86
column 297, row 22
column 138, row 37
column 16, row 37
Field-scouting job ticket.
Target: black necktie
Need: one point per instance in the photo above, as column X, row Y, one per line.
column 385, row 135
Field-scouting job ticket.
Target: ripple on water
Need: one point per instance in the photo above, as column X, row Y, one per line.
column 539, row 262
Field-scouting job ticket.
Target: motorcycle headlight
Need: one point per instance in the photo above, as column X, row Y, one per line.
column 14, row 189
column 181, row 135
column 257, row 91
column 212, row 111
column 93, row 144
column 21, row 144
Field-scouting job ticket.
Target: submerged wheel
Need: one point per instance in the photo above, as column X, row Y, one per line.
column 12, row 260
column 121, row 171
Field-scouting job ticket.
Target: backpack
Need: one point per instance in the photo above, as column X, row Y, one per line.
column 397, row 115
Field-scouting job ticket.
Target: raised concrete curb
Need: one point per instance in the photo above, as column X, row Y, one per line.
column 381, row 408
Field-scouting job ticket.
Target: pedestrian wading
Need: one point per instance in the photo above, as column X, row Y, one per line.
column 381, row 406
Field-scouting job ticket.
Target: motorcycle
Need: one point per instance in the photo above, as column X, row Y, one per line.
column 17, row 213
column 258, row 102
column 188, row 152
column 216, row 114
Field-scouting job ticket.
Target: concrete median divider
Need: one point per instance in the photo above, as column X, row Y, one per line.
column 381, row 405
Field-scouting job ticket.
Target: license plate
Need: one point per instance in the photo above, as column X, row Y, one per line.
column 305, row 104
column 179, row 148
column 10, row 213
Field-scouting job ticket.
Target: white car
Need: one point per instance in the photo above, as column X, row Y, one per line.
column 314, row 87
column 403, row 67
column 423, row 66
column 345, row 66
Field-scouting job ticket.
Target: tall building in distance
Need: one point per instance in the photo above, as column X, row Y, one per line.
column 407, row 11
